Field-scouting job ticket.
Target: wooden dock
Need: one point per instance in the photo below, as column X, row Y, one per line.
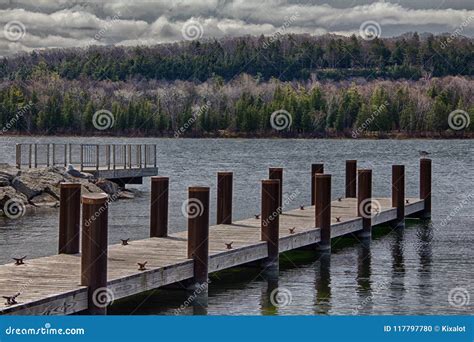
column 124, row 164
column 51, row 285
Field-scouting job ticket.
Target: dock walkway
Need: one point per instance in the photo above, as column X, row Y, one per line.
column 51, row 285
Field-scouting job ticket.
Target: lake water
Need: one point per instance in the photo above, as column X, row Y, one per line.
column 413, row 272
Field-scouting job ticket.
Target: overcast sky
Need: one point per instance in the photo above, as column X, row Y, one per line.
column 33, row 24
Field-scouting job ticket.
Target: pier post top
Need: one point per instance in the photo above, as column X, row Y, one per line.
column 199, row 188
column 225, row 173
column 270, row 181
column 351, row 161
column 276, row 168
column 425, row 160
column 159, row 178
column 364, row 170
column 69, row 185
column 95, row 198
column 322, row 175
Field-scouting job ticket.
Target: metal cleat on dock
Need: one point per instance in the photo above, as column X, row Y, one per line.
column 338, row 218
column 125, row 241
column 301, row 207
column 339, row 199
column 141, row 266
column 19, row 261
column 292, row 230
column 257, row 216
column 11, row 300
column 229, row 245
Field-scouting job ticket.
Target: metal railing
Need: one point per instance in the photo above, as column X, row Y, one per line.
column 86, row 156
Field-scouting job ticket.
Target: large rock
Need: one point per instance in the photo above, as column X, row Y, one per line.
column 107, row 186
column 33, row 182
column 45, row 200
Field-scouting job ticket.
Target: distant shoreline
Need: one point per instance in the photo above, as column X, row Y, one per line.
column 267, row 135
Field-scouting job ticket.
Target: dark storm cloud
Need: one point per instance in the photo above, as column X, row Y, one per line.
column 58, row 23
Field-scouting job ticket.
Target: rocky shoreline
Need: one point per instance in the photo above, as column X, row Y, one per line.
column 21, row 189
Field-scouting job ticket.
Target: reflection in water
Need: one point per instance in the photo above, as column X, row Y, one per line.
column 363, row 274
column 269, row 293
column 397, row 285
column 323, row 283
column 424, row 236
column 200, row 302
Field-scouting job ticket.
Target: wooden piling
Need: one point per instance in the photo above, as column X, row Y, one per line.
column 270, row 221
column 69, row 218
column 94, row 250
column 425, row 185
column 277, row 173
column 315, row 169
column 159, row 206
column 398, row 193
column 323, row 209
column 224, row 197
column 198, row 232
column 351, row 178
column 364, row 200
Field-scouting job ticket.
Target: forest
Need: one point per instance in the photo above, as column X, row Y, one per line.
column 328, row 86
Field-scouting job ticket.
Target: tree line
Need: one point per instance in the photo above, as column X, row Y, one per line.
column 51, row 104
column 291, row 57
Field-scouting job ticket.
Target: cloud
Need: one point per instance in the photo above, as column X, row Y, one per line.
column 122, row 22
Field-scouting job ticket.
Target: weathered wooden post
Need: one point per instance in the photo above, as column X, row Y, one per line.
column 270, row 221
column 398, row 194
column 198, row 233
column 364, row 201
column 97, row 154
column 323, row 210
column 18, row 156
column 315, row 169
column 351, row 178
column 224, row 197
column 159, row 206
column 94, row 250
column 425, row 186
column 277, row 173
column 69, row 218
